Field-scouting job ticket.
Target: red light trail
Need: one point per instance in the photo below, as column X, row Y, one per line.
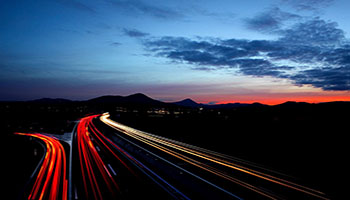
column 90, row 159
column 51, row 181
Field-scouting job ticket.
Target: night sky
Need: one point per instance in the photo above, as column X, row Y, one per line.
column 222, row 51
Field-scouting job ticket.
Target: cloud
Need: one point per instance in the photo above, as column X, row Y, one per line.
column 270, row 20
column 134, row 33
column 329, row 78
column 212, row 102
column 313, row 52
column 309, row 5
column 144, row 8
column 242, row 54
column 335, row 73
column 314, row 32
column 116, row 44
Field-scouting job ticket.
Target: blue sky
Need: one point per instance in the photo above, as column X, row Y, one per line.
column 222, row 51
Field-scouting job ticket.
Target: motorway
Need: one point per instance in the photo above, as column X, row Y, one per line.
column 113, row 161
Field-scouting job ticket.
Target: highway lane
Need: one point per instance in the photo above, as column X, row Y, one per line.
column 222, row 172
column 51, row 179
column 92, row 165
column 103, row 170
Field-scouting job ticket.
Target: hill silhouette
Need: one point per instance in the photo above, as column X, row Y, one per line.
column 187, row 103
column 137, row 98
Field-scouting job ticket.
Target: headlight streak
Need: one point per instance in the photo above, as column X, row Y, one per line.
column 51, row 181
column 198, row 177
column 221, row 159
column 151, row 174
column 205, row 167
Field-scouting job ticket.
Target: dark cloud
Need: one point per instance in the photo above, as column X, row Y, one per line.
column 212, row 102
column 225, row 53
column 257, row 67
column 310, row 5
column 144, row 8
column 116, row 43
column 314, row 32
column 195, row 57
column 270, row 20
column 330, row 78
column 134, row 33
column 312, row 52
column 263, row 23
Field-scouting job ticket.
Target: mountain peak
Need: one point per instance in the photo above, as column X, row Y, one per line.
column 138, row 95
column 140, row 98
column 187, row 102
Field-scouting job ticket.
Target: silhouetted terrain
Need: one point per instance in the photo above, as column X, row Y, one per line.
column 306, row 141
column 188, row 103
column 134, row 99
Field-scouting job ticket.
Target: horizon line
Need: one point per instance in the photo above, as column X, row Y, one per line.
column 270, row 102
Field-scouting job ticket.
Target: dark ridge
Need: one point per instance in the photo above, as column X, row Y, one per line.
column 137, row 98
column 293, row 103
column 187, row 103
column 106, row 99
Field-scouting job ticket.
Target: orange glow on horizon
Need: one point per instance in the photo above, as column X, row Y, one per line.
column 279, row 100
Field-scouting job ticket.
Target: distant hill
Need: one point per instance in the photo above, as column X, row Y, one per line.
column 137, row 98
column 141, row 98
column 292, row 104
column 193, row 104
column 187, row 103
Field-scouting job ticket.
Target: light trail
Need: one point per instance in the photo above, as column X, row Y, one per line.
column 51, row 181
column 88, row 156
column 207, row 168
column 164, row 144
column 182, row 169
column 90, row 160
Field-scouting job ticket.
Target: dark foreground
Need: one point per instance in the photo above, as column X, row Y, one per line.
column 305, row 142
